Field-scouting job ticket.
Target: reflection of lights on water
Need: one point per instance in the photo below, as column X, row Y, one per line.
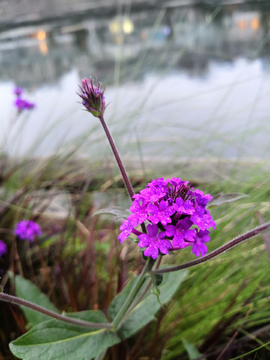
column 242, row 24
column 43, row 47
column 115, row 26
column 255, row 24
column 128, row 27
column 167, row 30
column 41, row 35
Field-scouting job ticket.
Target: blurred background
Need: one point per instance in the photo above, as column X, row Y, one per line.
column 187, row 83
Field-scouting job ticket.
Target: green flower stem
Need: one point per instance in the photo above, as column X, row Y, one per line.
column 137, row 286
column 14, row 300
column 231, row 244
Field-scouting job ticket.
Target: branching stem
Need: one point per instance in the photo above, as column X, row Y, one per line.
column 238, row 240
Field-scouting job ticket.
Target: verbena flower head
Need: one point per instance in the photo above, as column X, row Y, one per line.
column 27, row 230
column 3, row 248
column 177, row 215
column 93, row 98
column 18, row 91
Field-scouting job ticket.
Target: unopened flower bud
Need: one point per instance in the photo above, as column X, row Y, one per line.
column 93, row 98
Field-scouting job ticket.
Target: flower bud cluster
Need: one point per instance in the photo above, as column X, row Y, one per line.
column 93, row 98
column 177, row 215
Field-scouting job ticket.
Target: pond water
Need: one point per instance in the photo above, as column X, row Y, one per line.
column 181, row 81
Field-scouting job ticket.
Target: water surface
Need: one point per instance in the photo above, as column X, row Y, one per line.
column 181, row 82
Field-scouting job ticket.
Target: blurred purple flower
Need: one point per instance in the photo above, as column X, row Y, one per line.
column 21, row 104
column 3, row 248
column 18, row 91
column 92, row 96
column 27, row 230
column 154, row 242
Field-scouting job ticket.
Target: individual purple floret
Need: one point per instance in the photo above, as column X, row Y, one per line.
column 199, row 247
column 154, row 242
column 181, row 232
column 126, row 229
column 161, row 213
column 175, row 209
column 184, row 207
column 3, row 248
column 92, row 96
column 27, row 230
column 140, row 211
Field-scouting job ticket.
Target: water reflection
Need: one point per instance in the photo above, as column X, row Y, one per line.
column 173, row 75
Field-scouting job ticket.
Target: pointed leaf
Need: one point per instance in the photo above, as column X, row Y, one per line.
column 28, row 291
column 144, row 312
column 119, row 212
column 193, row 353
column 224, row 198
column 56, row 340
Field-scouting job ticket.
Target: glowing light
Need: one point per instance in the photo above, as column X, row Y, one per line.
column 128, row 27
column 255, row 23
column 41, row 35
column 115, row 26
column 242, row 24
column 43, row 47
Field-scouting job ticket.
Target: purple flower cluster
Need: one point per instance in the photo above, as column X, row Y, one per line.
column 27, row 230
column 177, row 215
column 93, row 98
column 22, row 104
column 3, row 248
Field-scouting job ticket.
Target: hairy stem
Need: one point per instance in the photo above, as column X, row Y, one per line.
column 117, row 157
column 14, row 300
column 238, row 240
column 134, row 291
column 122, row 169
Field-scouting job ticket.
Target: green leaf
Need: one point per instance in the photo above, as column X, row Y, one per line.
column 117, row 211
column 101, row 355
column 144, row 312
column 56, row 340
column 224, row 198
column 28, row 291
column 193, row 353
column 119, row 300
